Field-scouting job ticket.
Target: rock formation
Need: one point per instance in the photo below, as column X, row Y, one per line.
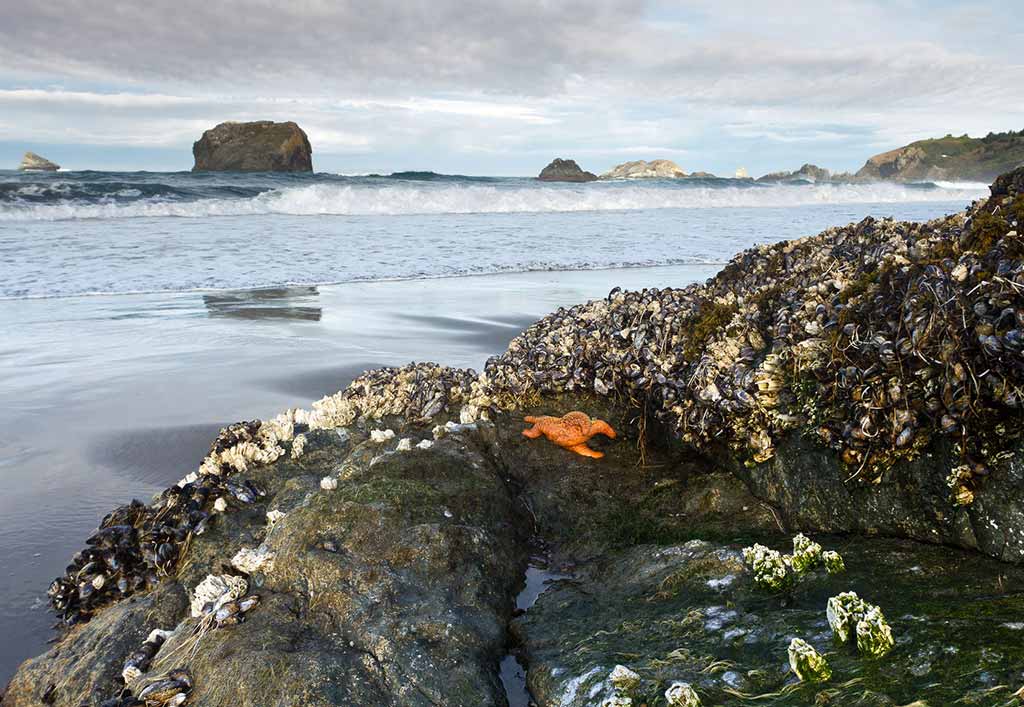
column 33, row 162
column 807, row 173
column 948, row 158
column 560, row 170
column 640, row 169
column 261, row 146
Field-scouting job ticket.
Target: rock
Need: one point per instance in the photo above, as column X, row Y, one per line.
column 677, row 611
column 807, row 173
column 33, row 162
column 560, row 170
column 261, row 146
column 701, row 175
column 639, row 169
column 948, row 158
column 806, row 663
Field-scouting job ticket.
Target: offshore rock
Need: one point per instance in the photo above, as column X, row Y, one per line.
column 640, row 169
column 807, row 173
column 261, row 146
column 35, row 163
column 560, row 170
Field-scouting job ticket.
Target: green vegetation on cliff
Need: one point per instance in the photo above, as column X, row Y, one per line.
column 952, row 158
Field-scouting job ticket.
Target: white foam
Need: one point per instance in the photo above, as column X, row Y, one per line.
column 342, row 200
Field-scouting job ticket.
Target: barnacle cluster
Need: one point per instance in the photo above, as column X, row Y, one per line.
column 775, row 571
column 876, row 337
column 851, row 617
column 806, row 663
column 772, row 570
column 622, row 678
column 681, row 694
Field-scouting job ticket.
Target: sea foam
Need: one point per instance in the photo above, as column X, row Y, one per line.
column 455, row 198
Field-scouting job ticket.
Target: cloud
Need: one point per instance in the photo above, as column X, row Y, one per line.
column 451, row 84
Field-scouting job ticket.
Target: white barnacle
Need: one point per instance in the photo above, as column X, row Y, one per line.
column 250, row 560
column 622, row 678
column 381, row 436
column 682, row 694
column 328, row 483
column 874, row 636
column 274, row 516
column 425, row 444
column 404, row 445
column 806, row 663
column 220, row 505
column 216, row 590
column 298, row 445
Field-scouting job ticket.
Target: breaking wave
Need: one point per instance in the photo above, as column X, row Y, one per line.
column 407, row 194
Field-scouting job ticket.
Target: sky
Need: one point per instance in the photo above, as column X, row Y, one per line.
column 501, row 88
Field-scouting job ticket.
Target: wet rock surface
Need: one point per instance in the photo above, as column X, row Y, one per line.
column 691, row 613
column 260, row 146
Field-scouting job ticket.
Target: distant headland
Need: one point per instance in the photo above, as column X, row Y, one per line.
column 947, row 158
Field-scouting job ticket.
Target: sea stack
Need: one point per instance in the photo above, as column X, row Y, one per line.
column 32, row 162
column 560, row 170
column 261, row 146
column 640, row 169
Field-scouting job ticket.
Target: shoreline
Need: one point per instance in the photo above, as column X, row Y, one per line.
column 139, row 385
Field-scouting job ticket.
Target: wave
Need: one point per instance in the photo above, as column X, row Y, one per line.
column 66, row 200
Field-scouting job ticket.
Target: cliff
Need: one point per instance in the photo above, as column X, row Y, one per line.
column 949, row 158
column 261, row 146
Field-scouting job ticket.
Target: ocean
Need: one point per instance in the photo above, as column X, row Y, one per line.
column 141, row 312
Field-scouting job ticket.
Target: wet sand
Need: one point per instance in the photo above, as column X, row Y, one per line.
column 106, row 399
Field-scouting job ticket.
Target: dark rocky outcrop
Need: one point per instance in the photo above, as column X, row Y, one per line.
column 949, row 158
column 560, row 170
column 807, row 173
column 35, row 163
column 261, row 146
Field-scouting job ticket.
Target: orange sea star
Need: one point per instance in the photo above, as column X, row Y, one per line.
column 570, row 431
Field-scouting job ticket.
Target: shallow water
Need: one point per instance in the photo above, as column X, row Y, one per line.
column 110, row 397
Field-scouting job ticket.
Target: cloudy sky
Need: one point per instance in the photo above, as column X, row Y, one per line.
column 502, row 87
